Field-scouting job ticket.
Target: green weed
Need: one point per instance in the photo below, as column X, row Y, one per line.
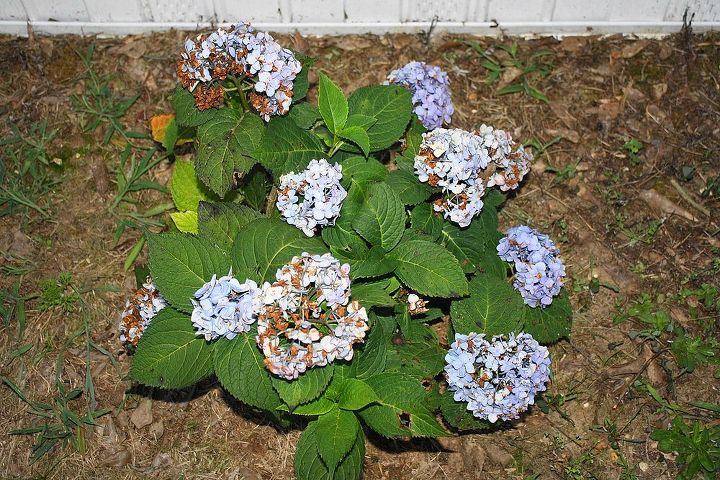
column 697, row 447
column 633, row 147
column 58, row 293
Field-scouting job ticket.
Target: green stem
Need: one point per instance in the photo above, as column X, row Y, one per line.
column 337, row 146
column 241, row 92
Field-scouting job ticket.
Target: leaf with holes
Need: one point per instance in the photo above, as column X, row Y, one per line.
column 182, row 263
column 401, row 409
column 266, row 244
column 225, row 144
column 170, row 354
column 240, row 368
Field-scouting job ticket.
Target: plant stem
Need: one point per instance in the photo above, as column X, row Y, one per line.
column 337, row 146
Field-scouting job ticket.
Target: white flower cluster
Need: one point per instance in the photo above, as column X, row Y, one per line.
column 313, row 197
column 306, row 318
column 139, row 311
column 224, row 307
column 454, row 160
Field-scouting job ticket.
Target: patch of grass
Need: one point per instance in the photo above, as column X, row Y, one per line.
column 633, row 147
column 697, row 447
column 532, row 67
column 649, row 313
column 101, row 105
column 58, row 292
column 27, row 173
column 577, row 468
column 643, row 232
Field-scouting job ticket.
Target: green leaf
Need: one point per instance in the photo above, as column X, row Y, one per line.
column 358, row 136
column 171, row 135
column 332, row 104
column 304, row 115
column 225, row 144
column 186, row 222
column 401, row 410
column 255, row 186
column 356, row 394
column 382, row 220
column 371, row 358
column 182, row 263
column 301, row 83
column 408, row 187
column 413, row 139
column 336, row 432
column 362, row 121
column 221, row 222
column 319, row 406
column 372, row 294
column 266, row 244
column 310, row 466
column 170, row 354
column 390, row 105
column 512, row 88
column 425, row 221
column 549, row 324
column 493, row 308
column 415, row 351
column 429, row 269
column 348, row 247
column 308, row 386
column 186, row 113
column 240, row 368
column 362, row 170
column 458, row 416
column 285, row 147
column 185, row 188
column 475, row 243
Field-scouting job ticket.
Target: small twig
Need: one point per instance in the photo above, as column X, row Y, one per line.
column 637, row 375
column 688, row 198
column 272, row 198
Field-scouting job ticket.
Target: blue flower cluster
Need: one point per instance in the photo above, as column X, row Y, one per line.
column 313, row 197
column 139, row 311
column 240, row 51
column 539, row 272
column 430, row 89
column 453, row 160
column 224, row 307
column 498, row 378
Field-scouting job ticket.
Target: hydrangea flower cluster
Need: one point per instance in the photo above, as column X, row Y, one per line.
column 539, row 272
column 312, row 197
column 498, row 378
column 306, row 317
column 430, row 88
column 139, row 311
column 512, row 161
column 453, row 160
column 224, row 307
column 239, row 51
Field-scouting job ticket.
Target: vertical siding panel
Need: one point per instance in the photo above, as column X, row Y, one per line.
column 12, row 10
column 114, row 11
column 329, row 11
column 519, row 10
column 704, row 10
column 385, row 11
column 446, row 11
column 59, row 10
column 638, row 10
column 191, row 11
column 233, row 11
column 586, row 11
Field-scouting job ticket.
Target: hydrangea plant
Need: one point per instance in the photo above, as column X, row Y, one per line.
column 315, row 244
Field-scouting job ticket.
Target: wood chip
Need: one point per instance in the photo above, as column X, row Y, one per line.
column 665, row 205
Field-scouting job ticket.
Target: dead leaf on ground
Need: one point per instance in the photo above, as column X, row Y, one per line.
column 509, row 75
column 142, row 415
column 609, row 108
column 664, row 205
column 655, row 113
column 562, row 112
column 573, row 44
column 655, row 373
column 565, row 133
column 119, row 458
column 659, row 90
column 299, row 42
column 632, row 93
column 630, row 50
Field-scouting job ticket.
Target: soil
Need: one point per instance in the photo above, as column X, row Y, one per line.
column 621, row 221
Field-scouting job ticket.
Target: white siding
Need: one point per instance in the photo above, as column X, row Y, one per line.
column 519, row 17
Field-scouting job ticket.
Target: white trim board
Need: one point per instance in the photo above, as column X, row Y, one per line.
column 557, row 28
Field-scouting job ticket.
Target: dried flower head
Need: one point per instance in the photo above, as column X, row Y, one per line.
column 539, row 272
column 239, row 51
column 498, row 378
column 430, row 88
column 313, row 197
column 306, row 316
column 416, row 305
column 139, row 311
column 224, row 307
